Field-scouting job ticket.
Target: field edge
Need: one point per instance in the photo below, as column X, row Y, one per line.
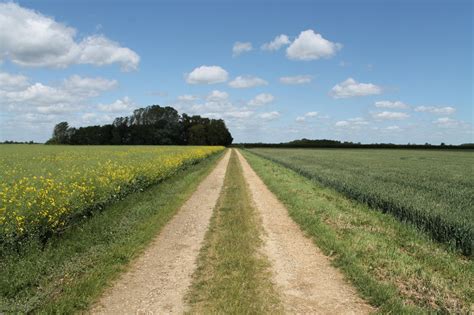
column 88, row 257
column 334, row 239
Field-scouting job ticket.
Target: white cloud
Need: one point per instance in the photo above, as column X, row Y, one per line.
column 276, row 43
column 393, row 128
column 12, row 82
column 36, row 94
column 92, row 118
column 187, row 98
column 270, row 115
column 41, row 98
column 342, row 123
column 243, row 82
column 310, row 46
column 217, row 96
column 352, row 123
column 300, row 119
column 307, row 115
column 88, row 87
column 438, row 110
column 446, row 122
column 210, row 107
column 31, row 39
column 239, row 114
column 207, row 75
column 351, row 88
column 121, row 105
column 390, row 116
column 216, row 104
column 261, row 99
column 56, row 109
column 390, row 104
column 297, row 79
column 240, row 48
column 99, row 50
column 38, row 118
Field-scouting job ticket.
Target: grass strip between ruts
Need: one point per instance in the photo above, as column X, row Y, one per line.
column 233, row 277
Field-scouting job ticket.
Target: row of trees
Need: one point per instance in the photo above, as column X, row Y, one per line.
column 325, row 143
column 152, row 125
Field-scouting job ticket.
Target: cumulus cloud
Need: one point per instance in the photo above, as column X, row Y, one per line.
column 446, row 122
column 243, row 82
column 99, row 50
column 390, row 115
column 300, row 119
column 215, row 104
column 239, row 114
column 307, row 115
column 93, row 118
column 187, row 98
column 217, row 96
column 351, row 88
column 261, row 99
column 38, row 118
column 207, row 75
column 342, row 123
column 311, row 46
column 438, row 110
column 121, row 105
column 240, row 48
column 270, row 115
column 12, row 81
column 391, row 104
column 276, row 43
column 393, row 128
column 31, row 39
column 219, row 106
column 297, row 79
column 36, row 95
column 64, row 97
column 352, row 123
column 88, row 87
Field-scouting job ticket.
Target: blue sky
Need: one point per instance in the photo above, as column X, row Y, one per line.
column 368, row 71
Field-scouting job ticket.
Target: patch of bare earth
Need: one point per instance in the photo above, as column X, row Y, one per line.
column 302, row 273
column 158, row 280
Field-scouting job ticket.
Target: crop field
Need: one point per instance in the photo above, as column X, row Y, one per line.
column 433, row 190
column 43, row 188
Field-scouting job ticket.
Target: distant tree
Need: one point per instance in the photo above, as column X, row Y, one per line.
column 60, row 134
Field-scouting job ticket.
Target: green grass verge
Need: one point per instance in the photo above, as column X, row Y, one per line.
column 232, row 276
column 73, row 269
column 393, row 265
column 430, row 189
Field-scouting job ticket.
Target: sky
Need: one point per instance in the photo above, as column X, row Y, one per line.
column 361, row 71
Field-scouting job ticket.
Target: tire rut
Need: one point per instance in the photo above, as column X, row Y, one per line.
column 302, row 273
column 157, row 281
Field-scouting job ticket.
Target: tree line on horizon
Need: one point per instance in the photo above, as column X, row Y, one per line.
column 326, row 143
column 152, row 125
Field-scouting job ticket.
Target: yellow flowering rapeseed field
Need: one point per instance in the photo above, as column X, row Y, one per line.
column 43, row 188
